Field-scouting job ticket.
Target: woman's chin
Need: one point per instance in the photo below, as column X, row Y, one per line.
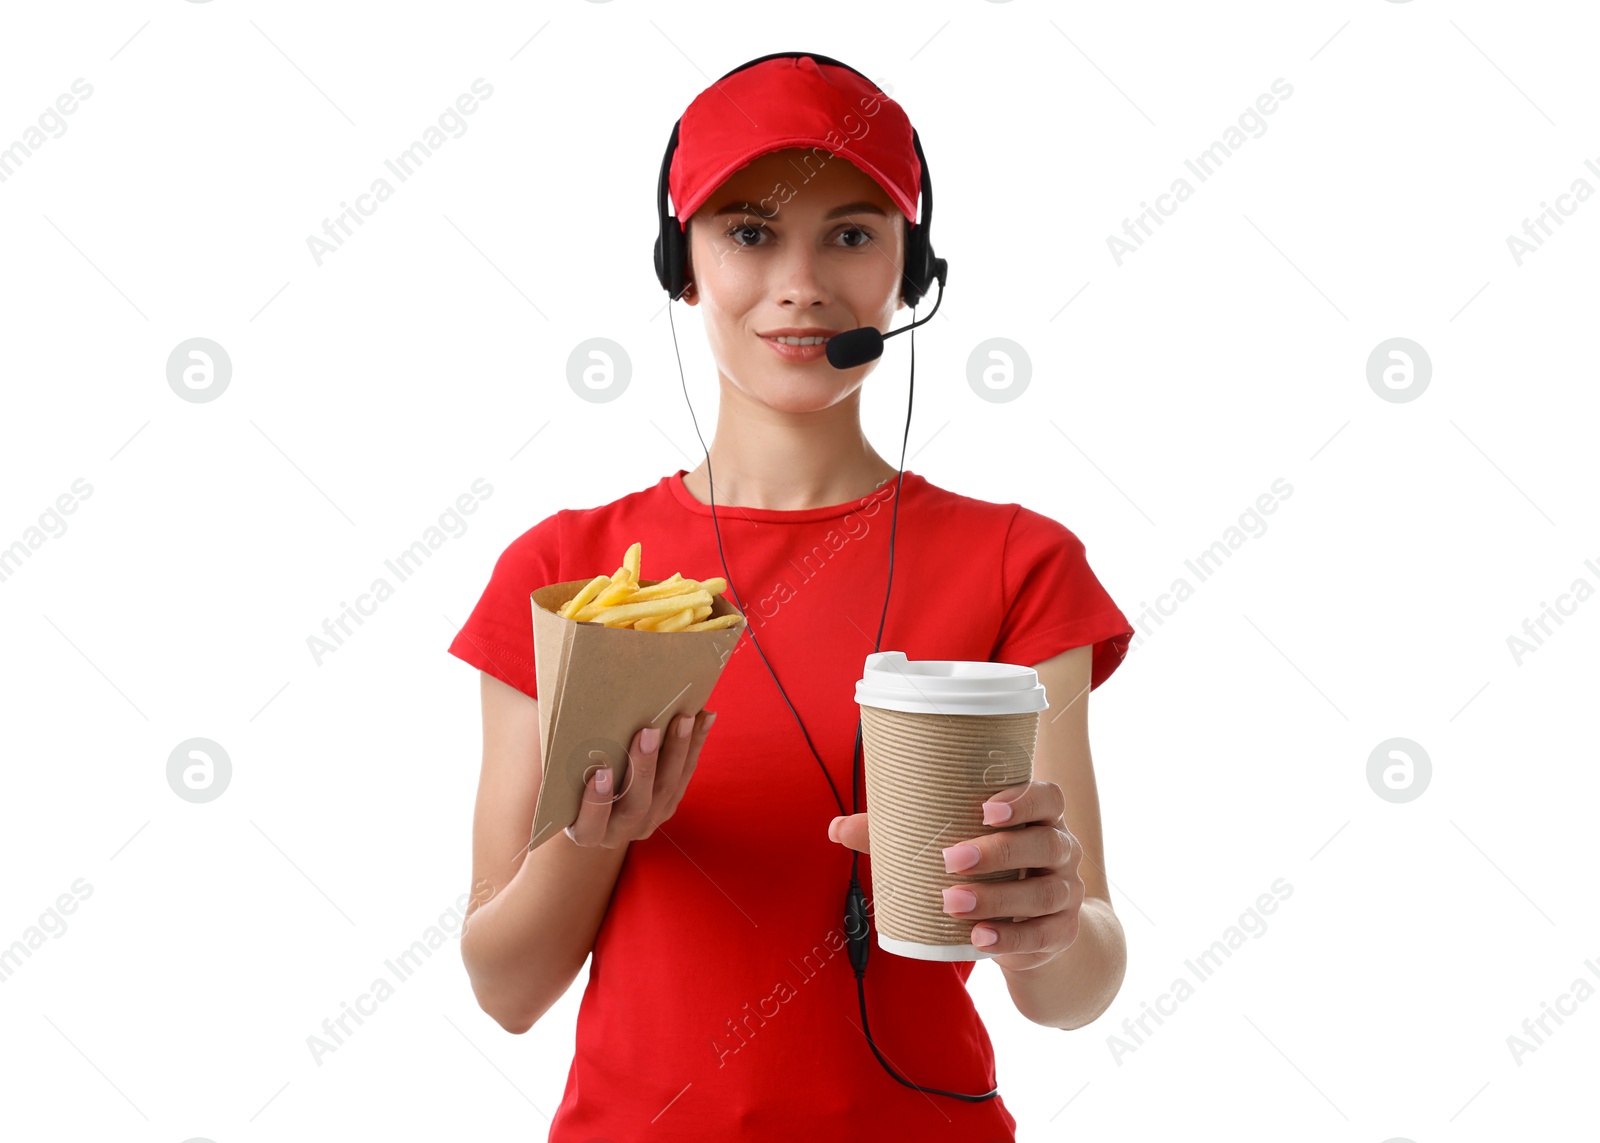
column 800, row 389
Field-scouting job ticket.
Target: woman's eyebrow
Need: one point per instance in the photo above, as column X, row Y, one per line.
column 856, row 208
column 836, row 212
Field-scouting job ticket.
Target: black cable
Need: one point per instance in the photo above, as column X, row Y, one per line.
column 857, row 925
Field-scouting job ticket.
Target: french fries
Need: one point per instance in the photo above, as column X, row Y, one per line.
column 674, row 604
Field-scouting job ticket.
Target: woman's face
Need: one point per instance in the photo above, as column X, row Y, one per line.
column 798, row 241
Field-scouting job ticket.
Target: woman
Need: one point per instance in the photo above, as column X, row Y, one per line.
column 719, row 1004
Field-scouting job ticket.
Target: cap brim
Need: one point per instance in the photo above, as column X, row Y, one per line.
column 684, row 210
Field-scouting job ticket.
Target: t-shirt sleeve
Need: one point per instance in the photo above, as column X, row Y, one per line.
column 498, row 636
column 1053, row 600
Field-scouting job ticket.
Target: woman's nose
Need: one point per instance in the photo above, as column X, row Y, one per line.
column 798, row 278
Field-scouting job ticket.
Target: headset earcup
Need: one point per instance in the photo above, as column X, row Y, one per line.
column 916, row 281
column 670, row 258
column 677, row 258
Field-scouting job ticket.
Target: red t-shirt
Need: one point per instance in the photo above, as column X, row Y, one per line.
column 721, row 1003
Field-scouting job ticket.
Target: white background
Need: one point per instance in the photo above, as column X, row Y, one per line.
column 1167, row 393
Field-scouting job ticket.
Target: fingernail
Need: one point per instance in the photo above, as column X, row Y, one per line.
column 685, row 724
column 959, row 900
column 996, row 813
column 710, row 719
column 959, row 857
column 984, row 937
column 602, row 780
column 649, row 739
column 831, row 827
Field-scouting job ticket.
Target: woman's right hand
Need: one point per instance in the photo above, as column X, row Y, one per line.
column 660, row 764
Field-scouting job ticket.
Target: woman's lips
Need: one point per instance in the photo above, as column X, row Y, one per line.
column 797, row 353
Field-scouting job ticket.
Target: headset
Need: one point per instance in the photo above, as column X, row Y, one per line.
column 845, row 350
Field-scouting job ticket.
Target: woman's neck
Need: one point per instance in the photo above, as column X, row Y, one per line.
column 788, row 460
column 789, row 480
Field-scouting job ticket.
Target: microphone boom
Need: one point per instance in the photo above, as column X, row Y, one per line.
column 856, row 347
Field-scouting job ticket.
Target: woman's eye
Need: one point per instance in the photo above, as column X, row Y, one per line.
column 745, row 229
column 865, row 236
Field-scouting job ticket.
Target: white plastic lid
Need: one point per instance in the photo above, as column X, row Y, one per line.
column 890, row 681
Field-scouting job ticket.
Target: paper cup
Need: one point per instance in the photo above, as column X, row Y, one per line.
column 938, row 737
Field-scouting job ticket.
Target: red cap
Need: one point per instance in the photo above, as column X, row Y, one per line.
column 792, row 101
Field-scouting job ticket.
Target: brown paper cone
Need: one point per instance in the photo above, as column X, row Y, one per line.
column 927, row 777
column 598, row 686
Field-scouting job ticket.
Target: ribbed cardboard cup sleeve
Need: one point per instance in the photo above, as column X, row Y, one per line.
column 598, row 686
column 927, row 777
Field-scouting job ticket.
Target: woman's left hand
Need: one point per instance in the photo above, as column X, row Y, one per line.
column 1042, row 908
